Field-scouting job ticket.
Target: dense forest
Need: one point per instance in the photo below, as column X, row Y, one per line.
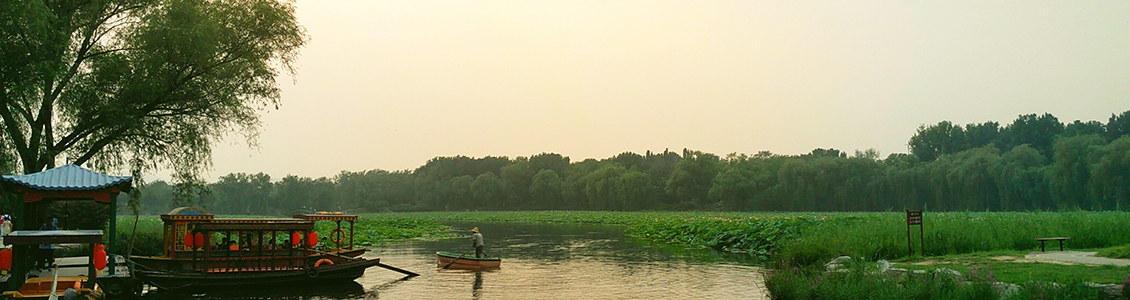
column 1034, row 163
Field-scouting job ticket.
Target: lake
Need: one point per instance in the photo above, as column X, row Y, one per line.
column 540, row 261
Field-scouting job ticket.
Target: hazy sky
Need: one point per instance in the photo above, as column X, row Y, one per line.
column 391, row 84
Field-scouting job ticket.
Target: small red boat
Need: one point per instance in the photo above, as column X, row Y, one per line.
column 462, row 261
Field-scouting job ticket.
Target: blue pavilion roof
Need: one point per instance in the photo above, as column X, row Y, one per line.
column 69, row 177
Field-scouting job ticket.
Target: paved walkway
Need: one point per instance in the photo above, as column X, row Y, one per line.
column 1075, row 257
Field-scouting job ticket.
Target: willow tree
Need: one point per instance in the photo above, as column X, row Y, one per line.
column 138, row 84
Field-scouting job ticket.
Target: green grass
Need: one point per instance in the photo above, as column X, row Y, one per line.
column 1115, row 252
column 884, row 236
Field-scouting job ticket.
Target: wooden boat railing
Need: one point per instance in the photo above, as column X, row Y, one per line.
column 247, row 260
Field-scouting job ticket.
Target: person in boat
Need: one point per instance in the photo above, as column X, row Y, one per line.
column 477, row 242
column 5, row 228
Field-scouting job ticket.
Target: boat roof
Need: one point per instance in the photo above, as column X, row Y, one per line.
column 69, row 178
column 33, row 237
column 255, row 225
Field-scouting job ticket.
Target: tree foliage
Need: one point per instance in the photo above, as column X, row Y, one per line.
column 974, row 171
column 138, row 84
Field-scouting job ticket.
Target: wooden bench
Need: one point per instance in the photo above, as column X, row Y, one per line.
column 1060, row 239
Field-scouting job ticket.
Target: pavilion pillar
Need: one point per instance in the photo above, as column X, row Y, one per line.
column 113, row 245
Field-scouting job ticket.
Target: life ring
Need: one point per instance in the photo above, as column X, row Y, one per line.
column 321, row 261
column 337, row 236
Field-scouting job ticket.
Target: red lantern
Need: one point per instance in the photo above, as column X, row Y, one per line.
column 312, row 239
column 188, row 240
column 99, row 257
column 200, row 240
column 295, row 239
column 6, row 259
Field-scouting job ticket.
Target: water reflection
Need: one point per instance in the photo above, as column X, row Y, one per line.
column 329, row 291
column 477, row 287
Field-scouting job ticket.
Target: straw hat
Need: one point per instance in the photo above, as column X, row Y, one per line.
column 476, row 229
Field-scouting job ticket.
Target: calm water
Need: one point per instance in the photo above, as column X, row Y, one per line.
column 540, row 262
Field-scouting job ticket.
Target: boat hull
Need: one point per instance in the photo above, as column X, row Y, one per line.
column 151, row 271
column 466, row 263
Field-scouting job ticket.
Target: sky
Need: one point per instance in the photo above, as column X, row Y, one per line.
column 391, row 84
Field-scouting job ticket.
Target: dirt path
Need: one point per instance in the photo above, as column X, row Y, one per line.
column 1074, row 258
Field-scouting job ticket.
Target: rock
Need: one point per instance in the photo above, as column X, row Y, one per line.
column 1005, row 289
column 895, row 273
column 1113, row 291
column 884, row 266
column 837, row 263
column 951, row 273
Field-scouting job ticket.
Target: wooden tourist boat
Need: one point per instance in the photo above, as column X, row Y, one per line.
column 202, row 252
column 342, row 241
column 463, row 261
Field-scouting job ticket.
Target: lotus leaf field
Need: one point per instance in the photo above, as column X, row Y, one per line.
column 801, row 239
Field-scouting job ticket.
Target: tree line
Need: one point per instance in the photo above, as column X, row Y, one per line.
column 1034, row 163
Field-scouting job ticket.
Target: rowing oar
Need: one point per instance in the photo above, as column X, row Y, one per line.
column 456, row 259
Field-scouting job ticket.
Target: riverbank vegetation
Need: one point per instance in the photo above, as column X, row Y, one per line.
column 1034, row 163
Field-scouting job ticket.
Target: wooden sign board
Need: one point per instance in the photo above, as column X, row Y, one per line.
column 914, row 217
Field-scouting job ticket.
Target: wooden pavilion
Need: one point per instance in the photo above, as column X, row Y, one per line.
column 33, row 192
